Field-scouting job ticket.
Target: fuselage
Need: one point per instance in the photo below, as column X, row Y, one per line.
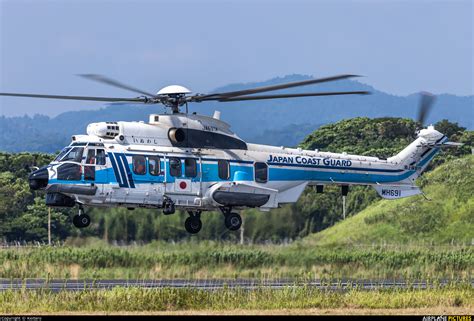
column 198, row 163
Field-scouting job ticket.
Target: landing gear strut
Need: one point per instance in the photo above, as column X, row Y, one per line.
column 232, row 221
column 168, row 206
column 193, row 223
column 81, row 220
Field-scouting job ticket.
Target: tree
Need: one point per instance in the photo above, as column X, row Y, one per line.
column 32, row 225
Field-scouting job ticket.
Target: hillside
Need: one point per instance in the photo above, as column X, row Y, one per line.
column 272, row 122
column 447, row 217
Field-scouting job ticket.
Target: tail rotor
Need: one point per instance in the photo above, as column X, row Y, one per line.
column 426, row 104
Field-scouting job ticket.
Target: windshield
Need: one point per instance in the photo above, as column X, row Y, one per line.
column 62, row 153
column 73, row 155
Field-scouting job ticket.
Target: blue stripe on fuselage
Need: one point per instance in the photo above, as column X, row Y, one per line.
column 283, row 174
column 121, row 169
column 425, row 160
column 127, row 169
column 242, row 173
column 422, row 162
column 341, row 168
column 238, row 161
column 120, row 179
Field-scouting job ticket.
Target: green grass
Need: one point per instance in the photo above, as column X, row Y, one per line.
column 208, row 260
column 448, row 217
column 169, row 299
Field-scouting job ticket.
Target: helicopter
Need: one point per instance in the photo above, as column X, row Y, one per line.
column 196, row 163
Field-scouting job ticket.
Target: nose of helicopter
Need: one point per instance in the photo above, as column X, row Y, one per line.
column 38, row 179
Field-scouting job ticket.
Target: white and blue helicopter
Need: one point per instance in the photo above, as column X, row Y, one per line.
column 196, row 163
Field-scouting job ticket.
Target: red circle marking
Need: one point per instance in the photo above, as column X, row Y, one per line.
column 183, row 185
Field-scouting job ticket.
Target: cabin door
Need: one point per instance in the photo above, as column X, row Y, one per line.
column 155, row 177
column 95, row 168
column 184, row 175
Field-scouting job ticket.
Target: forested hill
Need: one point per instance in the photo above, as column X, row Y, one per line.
column 271, row 122
column 23, row 214
column 446, row 216
column 380, row 137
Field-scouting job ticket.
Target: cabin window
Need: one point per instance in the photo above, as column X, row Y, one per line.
column 190, row 167
column 261, row 172
column 74, row 155
column 154, row 165
column 175, row 167
column 89, row 169
column 139, row 164
column 100, row 157
column 223, row 169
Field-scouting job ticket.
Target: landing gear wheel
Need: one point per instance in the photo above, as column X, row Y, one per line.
column 193, row 225
column 233, row 221
column 81, row 221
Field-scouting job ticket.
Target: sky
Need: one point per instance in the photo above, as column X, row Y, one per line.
column 400, row 47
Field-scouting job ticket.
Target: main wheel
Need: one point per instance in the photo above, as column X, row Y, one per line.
column 193, row 225
column 233, row 221
column 81, row 221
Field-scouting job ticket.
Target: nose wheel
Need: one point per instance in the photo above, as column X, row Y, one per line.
column 193, row 223
column 81, row 220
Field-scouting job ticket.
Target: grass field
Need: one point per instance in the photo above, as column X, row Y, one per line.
column 309, row 311
column 207, row 260
column 145, row 300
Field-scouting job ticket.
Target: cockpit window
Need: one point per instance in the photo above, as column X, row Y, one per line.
column 74, row 155
column 90, row 157
column 100, row 160
column 70, row 172
column 62, row 153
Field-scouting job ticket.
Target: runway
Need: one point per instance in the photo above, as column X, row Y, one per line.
column 249, row 284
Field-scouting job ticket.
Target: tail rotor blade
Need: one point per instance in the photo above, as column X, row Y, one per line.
column 426, row 103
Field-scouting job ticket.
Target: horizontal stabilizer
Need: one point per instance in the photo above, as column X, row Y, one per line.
column 442, row 145
column 450, row 144
column 397, row 191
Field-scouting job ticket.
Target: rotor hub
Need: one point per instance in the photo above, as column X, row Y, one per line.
column 173, row 90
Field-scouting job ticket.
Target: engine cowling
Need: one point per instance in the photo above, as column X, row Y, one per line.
column 104, row 129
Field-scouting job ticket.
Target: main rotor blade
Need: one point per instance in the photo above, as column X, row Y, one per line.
column 261, row 97
column 271, row 88
column 426, row 103
column 109, row 99
column 111, row 82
